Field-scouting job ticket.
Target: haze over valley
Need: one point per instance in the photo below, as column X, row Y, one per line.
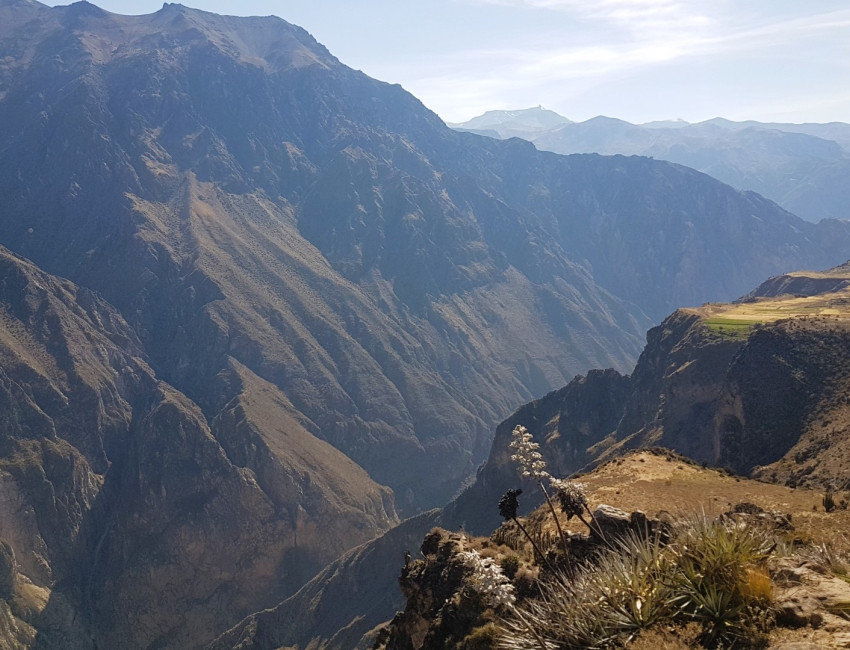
column 266, row 320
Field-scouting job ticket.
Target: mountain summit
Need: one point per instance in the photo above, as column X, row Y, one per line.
column 800, row 166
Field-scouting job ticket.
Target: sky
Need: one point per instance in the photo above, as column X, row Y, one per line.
column 637, row 60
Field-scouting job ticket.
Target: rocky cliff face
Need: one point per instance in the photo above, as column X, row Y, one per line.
column 757, row 387
column 127, row 520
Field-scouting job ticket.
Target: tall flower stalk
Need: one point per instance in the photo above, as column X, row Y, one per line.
column 531, row 465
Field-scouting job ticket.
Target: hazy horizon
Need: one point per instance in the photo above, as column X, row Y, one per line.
column 636, row 60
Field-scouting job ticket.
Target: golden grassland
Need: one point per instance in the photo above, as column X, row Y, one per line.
column 737, row 319
column 653, row 483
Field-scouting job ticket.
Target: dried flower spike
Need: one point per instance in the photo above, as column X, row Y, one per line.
column 509, row 504
column 572, row 496
column 526, row 454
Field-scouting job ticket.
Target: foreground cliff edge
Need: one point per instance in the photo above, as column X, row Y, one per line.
column 725, row 562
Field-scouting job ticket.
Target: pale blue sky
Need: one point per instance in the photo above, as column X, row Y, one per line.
column 638, row 60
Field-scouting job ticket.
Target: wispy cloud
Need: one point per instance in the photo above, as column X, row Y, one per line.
column 620, row 39
column 633, row 15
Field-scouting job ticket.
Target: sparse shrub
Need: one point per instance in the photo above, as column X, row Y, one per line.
column 625, row 591
column 827, row 556
column 510, row 565
column 481, row 638
column 525, row 582
column 828, row 501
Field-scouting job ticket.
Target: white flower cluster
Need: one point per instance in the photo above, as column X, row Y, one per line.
column 530, row 461
column 488, row 580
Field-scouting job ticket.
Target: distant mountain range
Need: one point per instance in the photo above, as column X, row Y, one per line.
column 256, row 306
column 803, row 167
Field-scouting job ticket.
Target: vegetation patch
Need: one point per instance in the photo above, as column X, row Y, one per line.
column 734, row 328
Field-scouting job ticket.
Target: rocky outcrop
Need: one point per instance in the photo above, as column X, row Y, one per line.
column 808, row 594
column 444, row 605
column 768, row 402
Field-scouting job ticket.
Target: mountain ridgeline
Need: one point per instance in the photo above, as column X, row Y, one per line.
column 257, row 304
column 800, row 166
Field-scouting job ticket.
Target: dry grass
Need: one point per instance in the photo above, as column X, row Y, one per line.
column 737, row 319
column 757, row 585
column 679, row 637
column 653, row 483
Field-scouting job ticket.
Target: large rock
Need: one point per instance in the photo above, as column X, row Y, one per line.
column 808, row 594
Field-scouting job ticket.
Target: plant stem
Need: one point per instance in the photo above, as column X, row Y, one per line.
column 534, row 544
column 531, row 630
column 555, row 516
column 595, row 527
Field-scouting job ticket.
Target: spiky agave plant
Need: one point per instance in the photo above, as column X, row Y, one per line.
column 626, row 590
column 702, row 575
column 714, row 560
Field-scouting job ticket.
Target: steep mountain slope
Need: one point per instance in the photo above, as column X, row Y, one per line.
column 118, row 498
column 243, row 197
column 326, row 612
column 262, row 203
column 800, row 166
